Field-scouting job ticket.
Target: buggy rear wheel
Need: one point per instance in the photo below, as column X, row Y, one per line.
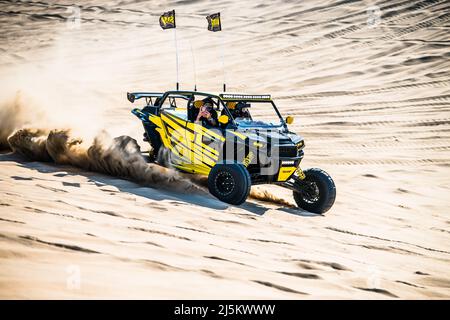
column 164, row 157
column 229, row 183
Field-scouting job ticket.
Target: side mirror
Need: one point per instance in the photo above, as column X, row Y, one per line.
column 289, row 119
column 223, row 119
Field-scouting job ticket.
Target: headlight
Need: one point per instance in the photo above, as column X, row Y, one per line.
column 300, row 145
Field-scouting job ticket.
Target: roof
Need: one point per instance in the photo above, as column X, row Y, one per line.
column 226, row 96
column 245, row 97
column 223, row 96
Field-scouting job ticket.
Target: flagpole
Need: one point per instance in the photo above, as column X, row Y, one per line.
column 223, row 62
column 176, row 55
column 193, row 63
column 214, row 25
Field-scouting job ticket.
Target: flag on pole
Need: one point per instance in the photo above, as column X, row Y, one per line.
column 167, row 20
column 214, row 22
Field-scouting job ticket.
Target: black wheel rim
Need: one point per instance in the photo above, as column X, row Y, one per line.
column 225, row 183
column 310, row 192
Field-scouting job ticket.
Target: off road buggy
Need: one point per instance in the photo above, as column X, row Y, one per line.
column 247, row 143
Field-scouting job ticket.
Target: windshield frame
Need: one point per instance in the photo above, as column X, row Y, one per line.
column 282, row 122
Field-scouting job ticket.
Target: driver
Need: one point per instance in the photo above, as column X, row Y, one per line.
column 206, row 114
column 239, row 110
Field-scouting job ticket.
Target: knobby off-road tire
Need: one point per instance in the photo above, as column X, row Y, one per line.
column 317, row 191
column 229, row 183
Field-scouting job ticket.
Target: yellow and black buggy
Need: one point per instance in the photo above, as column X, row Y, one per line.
column 237, row 140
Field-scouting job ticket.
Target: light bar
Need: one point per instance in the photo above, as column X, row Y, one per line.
column 227, row 96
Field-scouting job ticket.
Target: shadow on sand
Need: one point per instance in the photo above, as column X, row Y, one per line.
column 127, row 186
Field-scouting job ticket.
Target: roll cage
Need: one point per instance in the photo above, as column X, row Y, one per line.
column 157, row 99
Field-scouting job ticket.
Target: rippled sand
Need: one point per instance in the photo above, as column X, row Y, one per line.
column 371, row 100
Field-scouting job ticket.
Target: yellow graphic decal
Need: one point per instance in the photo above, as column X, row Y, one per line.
column 285, row 173
column 155, row 119
column 194, row 168
column 248, row 159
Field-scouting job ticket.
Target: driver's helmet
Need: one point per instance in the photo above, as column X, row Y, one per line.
column 242, row 106
column 241, row 110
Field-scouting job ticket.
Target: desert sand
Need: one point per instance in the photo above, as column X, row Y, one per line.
column 370, row 94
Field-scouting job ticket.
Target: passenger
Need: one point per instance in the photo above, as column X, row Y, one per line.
column 207, row 114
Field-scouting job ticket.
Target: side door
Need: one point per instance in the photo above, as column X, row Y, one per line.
column 206, row 144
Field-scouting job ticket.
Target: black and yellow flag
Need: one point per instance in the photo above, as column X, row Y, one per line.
column 214, row 22
column 167, row 20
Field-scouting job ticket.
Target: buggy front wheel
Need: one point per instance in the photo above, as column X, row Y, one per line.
column 316, row 193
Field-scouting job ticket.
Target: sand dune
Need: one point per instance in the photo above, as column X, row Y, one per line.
column 372, row 102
